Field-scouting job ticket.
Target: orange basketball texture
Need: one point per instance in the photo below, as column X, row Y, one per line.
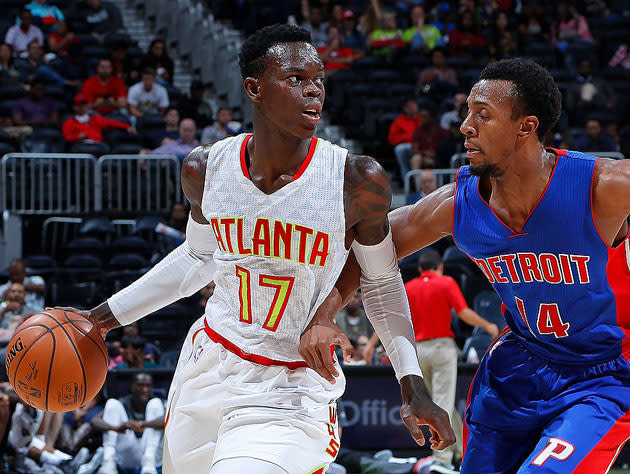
column 56, row 361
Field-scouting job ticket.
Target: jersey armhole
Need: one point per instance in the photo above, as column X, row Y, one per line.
column 455, row 206
column 609, row 247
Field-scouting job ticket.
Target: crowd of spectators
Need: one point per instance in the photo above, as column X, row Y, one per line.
column 69, row 71
column 431, row 51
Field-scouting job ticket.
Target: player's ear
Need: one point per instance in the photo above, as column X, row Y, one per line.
column 252, row 89
column 529, row 125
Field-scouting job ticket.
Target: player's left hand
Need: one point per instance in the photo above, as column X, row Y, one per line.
column 418, row 409
column 317, row 345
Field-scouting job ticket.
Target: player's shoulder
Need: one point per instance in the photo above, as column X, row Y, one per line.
column 364, row 168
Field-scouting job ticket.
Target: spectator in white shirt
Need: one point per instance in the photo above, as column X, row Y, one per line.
column 21, row 35
column 147, row 97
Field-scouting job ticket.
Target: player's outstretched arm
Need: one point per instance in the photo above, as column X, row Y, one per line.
column 181, row 273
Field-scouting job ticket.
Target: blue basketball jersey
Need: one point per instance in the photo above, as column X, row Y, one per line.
column 551, row 274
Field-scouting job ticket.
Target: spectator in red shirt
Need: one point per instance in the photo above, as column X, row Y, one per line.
column 85, row 126
column 432, row 296
column 401, row 134
column 61, row 38
column 465, row 40
column 104, row 92
column 425, row 140
column 335, row 56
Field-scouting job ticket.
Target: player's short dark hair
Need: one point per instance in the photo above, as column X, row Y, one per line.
column 429, row 259
column 536, row 91
column 252, row 59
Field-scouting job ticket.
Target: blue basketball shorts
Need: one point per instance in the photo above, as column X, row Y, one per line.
column 526, row 415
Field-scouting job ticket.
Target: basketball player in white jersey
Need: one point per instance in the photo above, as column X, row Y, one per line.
column 273, row 216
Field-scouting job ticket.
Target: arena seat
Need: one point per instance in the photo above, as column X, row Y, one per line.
column 131, row 244
column 488, row 305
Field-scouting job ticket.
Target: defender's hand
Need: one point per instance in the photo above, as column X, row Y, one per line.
column 317, row 346
column 419, row 409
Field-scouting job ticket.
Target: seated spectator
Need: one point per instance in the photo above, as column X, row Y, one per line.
column 195, row 106
column 352, row 37
column 170, row 133
column 21, row 35
column 5, row 420
column 77, row 428
column 425, row 140
column 444, row 18
column 587, row 94
column 448, row 146
column 35, row 66
column 427, row 183
column 87, row 127
column 387, row 39
column 104, row 92
column 147, row 97
column 183, row 145
column 133, row 427
column 35, row 109
column 60, row 38
column 173, row 234
column 313, row 23
column 158, row 59
column 594, row 140
column 335, row 55
column 150, row 351
column 34, row 285
column 358, row 354
column 503, row 39
column 455, row 114
column 114, row 349
column 401, row 134
column 569, row 27
column 126, row 68
column 438, row 79
column 621, row 57
column 49, row 14
column 421, row 36
column 8, row 72
column 100, row 17
column 73, row 67
column 14, row 310
column 352, row 319
column 133, row 353
column 531, row 25
column 465, row 39
column 219, row 129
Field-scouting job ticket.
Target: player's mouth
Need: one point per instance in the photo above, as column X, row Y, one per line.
column 471, row 150
column 312, row 113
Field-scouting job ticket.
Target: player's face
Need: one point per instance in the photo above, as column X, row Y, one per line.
column 491, row 132
column 291, row 89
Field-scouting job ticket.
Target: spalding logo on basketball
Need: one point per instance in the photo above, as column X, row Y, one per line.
column 56, row 361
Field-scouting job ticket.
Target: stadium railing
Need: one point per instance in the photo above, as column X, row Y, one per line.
column 443, row 176
column 34, row 183
column 136, row 183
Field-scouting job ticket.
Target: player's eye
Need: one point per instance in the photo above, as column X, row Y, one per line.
column 319, row 81
column 293, row 79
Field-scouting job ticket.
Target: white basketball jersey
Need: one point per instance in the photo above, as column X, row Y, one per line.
column 278, row 255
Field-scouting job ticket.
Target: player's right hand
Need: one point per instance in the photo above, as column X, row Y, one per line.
column 86, row 314
column 317, row 346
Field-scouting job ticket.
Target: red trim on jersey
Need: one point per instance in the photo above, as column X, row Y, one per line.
column 303, row 166
column 257, row 359
column 455, row 205
column 558, row 151
column 243, row 153
column 307, row 160
column 520, row 232
column 618, row 277
column 603, row 455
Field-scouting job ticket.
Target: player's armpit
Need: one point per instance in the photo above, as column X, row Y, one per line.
column 193, row 177
column 418, row 225
column 611, row 198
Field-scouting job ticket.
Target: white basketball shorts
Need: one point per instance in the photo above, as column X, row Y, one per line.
column 221, row 406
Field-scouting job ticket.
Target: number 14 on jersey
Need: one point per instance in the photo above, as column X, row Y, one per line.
column 282, row 287
column 548, row 320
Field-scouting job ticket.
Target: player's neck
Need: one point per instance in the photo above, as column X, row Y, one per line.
column 522, row 183
column 273, row 153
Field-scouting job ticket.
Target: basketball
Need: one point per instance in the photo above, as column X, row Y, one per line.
column 56, row 361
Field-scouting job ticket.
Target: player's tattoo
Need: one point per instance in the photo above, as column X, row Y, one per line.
column 367, row 199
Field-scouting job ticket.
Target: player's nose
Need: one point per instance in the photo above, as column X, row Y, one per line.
column 311, row 90
column 466, row 128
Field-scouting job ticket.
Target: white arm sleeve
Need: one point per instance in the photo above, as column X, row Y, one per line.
column 181, row 273
column 386, row 304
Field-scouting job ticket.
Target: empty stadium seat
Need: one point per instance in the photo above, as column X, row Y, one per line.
column 130, row 245
column 488, row 305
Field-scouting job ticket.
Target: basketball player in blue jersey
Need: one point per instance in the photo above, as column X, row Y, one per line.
column 552, row 394
column 273, row 216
